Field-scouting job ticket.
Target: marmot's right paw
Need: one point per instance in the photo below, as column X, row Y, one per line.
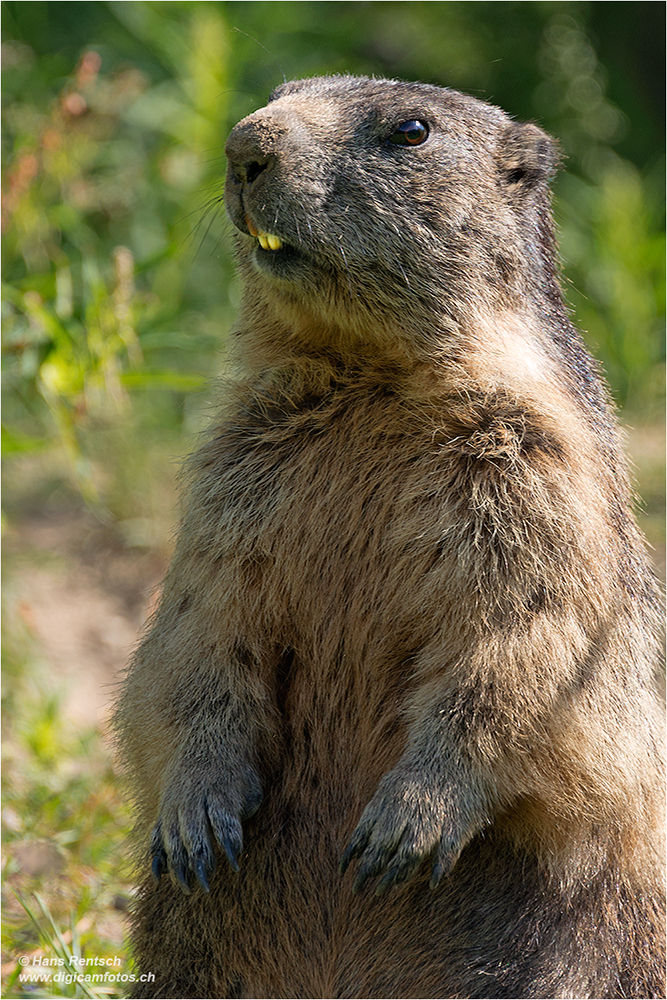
column 196, row 813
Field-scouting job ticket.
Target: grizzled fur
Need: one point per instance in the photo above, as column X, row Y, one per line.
column 409, row 622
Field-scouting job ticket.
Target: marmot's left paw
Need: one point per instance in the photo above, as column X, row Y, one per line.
column 405, row 821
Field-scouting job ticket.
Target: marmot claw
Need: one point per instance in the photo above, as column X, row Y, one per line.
column 184, row 838
column 399, row 829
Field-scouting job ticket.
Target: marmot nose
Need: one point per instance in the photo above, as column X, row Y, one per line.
column 249, row 152
column 246, row 173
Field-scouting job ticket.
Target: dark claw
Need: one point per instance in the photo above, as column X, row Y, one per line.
column 386, row 883
column 354, row 849
column 367, row 870
column 251, row 804
column 360, row 881
column 228, row 833
column 159, row 864
column 232, row 851
column 201, row 873
column 344, row 861
column 180, row 872
column 395, row 876
column 436, row 875
column 443, row 864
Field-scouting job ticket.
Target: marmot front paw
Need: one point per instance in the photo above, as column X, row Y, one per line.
column 195, row 813
column 406, row 820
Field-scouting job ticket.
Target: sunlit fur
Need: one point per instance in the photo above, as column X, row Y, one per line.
column 408, row 602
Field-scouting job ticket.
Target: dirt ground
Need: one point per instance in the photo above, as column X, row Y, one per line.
column 83, row 598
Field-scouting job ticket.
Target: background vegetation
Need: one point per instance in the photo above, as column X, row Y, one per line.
column 119, row 292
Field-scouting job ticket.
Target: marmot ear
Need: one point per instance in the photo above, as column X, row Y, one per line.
column 527, row 157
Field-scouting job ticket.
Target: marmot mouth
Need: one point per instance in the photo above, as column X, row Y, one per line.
column 267, row 241
column 273, row 255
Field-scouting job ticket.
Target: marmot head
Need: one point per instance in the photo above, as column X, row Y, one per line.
column 363, row 202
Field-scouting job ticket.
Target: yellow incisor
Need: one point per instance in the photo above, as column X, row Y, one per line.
column 267, row 241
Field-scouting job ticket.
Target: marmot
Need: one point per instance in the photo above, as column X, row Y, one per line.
column 392, row 728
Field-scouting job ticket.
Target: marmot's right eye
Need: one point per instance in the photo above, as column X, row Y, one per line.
column 410, row 133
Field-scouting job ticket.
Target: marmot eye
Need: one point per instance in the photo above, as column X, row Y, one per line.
column 409, row 134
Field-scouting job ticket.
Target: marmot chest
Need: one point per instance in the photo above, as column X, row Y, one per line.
column 341, row 512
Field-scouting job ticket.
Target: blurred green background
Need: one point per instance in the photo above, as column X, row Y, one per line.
column 119, row 292
column 119, row 287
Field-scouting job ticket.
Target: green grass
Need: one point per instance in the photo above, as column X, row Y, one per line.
column 65, row 829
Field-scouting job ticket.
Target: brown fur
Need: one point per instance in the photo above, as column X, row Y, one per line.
column 409, row 603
